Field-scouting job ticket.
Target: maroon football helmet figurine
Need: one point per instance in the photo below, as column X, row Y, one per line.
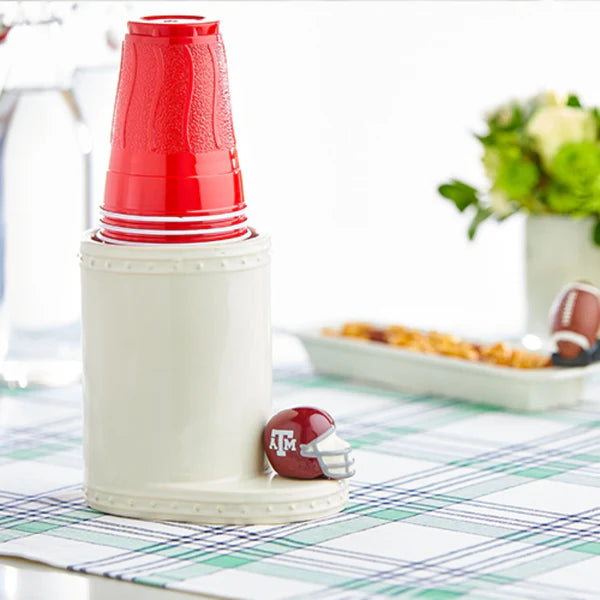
column 302, row 443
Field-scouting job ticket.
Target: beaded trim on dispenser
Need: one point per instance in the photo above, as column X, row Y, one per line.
column 231, row 509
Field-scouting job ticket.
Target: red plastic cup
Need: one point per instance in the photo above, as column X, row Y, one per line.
column 174, row 175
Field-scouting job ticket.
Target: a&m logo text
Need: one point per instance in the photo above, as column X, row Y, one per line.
column 283, row 441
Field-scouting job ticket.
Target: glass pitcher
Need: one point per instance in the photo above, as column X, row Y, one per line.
column 44, row 206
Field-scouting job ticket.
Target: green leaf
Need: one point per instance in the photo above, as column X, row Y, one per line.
column 517, row 117
column 480, row 216
column 460, row 193
column 596, row 233
column 573, row 100
column 486, row 140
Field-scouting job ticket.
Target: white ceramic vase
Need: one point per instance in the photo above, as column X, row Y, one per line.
column 558, row 250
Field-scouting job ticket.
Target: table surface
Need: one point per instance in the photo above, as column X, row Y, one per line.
column 450, row 500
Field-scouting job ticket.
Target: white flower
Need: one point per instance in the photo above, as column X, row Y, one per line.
column 549, row 98
column 553, row 126
column 499, row 203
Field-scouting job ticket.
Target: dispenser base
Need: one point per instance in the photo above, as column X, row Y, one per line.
column 267, row 499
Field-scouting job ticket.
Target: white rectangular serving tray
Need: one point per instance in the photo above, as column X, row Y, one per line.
column 427, row 374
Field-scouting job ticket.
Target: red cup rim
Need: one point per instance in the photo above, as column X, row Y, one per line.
column 180, row 219
column 173, row 26
column 194, row 240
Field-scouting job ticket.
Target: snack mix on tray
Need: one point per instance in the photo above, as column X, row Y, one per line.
column 432, row 342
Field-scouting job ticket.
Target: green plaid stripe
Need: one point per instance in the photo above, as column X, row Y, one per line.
column 450, row 501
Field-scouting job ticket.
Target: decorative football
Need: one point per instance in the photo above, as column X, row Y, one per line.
column 575, row 319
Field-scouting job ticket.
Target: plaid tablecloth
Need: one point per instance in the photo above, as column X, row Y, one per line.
column 450, row 500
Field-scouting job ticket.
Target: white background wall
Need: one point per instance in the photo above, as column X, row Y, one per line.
column 348, row 116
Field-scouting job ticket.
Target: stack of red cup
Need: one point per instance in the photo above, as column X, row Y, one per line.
column 174, row 175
